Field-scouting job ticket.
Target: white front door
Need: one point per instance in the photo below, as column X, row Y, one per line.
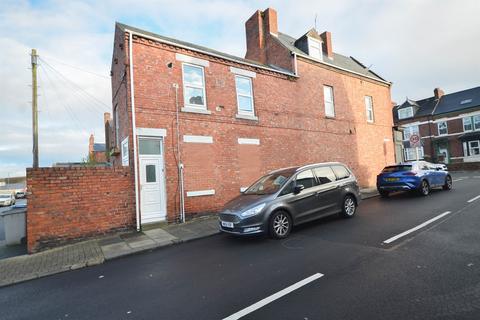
column 444, row 152
column 152, row 180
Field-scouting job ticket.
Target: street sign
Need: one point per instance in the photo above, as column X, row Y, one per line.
column 415, row 141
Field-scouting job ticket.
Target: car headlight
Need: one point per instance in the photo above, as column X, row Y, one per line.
column 253, row 211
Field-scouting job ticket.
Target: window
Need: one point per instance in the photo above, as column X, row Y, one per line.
column 476, row 122
column 324, row 174
column 467, row 124
column 328, row 99
column 150, row 174
column 149, row 146
column 369, row 108
column 341, row 172
column 442, row 128
column 314, row 48
column 288, row 188
column 307, row 179
column 244, row 95
column 410, row 153
column 117, row 126
column 405, row 113
column 474, row 148
column 194, row 86
column 124, row 150
column 408, row 131
column 270, row 183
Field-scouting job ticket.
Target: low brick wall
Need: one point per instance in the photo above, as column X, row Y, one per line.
column 464, row 166
column 70, row 204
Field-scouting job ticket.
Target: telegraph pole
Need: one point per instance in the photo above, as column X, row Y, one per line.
column 34, row 108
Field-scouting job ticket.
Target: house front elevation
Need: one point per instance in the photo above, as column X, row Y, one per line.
column 197, row 126
column 448, row 125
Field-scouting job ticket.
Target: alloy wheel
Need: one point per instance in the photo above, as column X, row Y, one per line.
column 349, row 206
column 281, row 225
column 425, row 188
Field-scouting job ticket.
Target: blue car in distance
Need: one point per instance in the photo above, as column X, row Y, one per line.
column 417, row 176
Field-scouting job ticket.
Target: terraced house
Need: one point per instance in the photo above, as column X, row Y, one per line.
column 448, row 124
column 197, row 126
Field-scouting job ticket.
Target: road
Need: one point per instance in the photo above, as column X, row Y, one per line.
column 331, row 269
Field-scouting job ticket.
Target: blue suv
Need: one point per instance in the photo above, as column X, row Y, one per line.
column 418, row 176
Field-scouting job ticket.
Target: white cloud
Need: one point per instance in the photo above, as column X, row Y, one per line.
column 416, row 44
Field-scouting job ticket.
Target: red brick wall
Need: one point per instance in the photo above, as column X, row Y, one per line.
column 292, row 127
column 68, row 204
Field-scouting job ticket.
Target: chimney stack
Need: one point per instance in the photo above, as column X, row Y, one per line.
column 438, row 93
column 260, row 26
column 91, row 141
column 327, row 44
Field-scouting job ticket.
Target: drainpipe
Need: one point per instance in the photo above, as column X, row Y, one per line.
column 180, row 164
column 134, row 128
column 295, row 64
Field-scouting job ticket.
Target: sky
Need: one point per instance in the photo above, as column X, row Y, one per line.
column 418, row 45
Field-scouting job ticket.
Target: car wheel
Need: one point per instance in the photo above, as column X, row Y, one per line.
column 349, row 206
column 424, row 188
column 280, row 225
column 448, row 183
column 384, row 194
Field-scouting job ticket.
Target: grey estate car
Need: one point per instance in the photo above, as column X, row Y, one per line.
column 291, row 196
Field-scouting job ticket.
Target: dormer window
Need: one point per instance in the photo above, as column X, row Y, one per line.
column 314, row 48
column 405, row 113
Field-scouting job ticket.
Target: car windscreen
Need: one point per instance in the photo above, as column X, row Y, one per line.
column 4, row 196
column 397, row 168
column 269, row 183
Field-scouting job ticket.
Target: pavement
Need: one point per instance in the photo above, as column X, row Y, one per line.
column 330, row 269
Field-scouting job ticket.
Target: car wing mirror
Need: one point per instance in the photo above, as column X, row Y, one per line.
column 298, row 188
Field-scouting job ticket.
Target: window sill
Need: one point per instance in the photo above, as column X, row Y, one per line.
column 195, row 110
column 370, row 122
column 246, row 117
column 330, row 117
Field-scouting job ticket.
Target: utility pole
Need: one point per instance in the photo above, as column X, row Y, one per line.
column 34, row 108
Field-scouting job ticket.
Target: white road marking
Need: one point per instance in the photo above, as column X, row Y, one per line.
column 398, row 236
column 463, row 177
column 273, row 297
column 473, row 199
column 455, row 180
column 476, row 177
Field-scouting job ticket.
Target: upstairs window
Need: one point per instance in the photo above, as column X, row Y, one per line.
column 405, row 113
column 328, row 100
column 314, row 48
column 369, row 108
column 244, row 95
column 467, row 124
column 476, row 122
column 194, row 86
column 442, row 128
column 408, row 131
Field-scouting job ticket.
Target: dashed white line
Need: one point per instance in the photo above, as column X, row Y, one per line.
column 273, row 297
column 455, row 180
column 398, row 236
column 473, row 199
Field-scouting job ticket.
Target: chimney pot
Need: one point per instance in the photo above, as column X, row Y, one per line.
column 438, row 93
column 327, row 44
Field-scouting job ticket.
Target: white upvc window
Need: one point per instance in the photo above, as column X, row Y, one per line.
column 328, row 100
column 467, row 124
column 476, row 122
column 408, row 131
column 411, row 154
column 314, row 48
column 442, row 128
column 405, row 113
column 369, row 108
column 244, row 95
column 474, row 148
column 194, row 86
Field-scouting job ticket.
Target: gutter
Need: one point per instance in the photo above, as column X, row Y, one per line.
column 207, row 53
column 134, row 130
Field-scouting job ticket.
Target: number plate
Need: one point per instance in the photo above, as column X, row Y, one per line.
column 392, row 179
column 227, row 224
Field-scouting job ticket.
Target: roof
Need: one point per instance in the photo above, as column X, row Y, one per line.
column 453, row 102
column 339, row 61
column 206, row 50
column 99, row 147
column 448, row 103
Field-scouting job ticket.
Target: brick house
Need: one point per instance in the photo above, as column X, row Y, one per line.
column 197, row 126
column 448, row 124
column 96, row 151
